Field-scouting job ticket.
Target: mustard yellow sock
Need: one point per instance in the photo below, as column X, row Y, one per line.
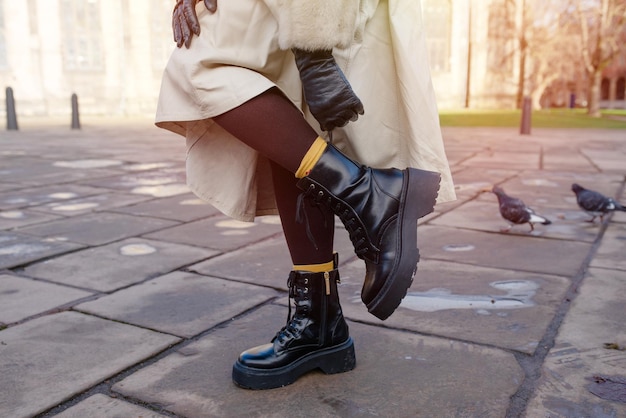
column 315, row 268
column 311, row 157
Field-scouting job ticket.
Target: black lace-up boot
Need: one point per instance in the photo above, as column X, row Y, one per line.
column 315, row 337
column 380, row 209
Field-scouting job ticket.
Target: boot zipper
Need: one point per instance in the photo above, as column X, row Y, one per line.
column 327, row 281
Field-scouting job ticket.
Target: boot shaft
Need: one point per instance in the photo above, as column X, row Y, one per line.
column 366, row 200
column 318, row 318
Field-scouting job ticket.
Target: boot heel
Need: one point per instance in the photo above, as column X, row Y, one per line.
column 424, row 188
column 340, row 361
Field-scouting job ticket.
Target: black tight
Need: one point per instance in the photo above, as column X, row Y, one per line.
column 270, row 124
column 316, row 249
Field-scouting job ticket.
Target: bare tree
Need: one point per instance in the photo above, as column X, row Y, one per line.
column 539, row 44
column 602, row 34
column 552, row 50
column 534, row 38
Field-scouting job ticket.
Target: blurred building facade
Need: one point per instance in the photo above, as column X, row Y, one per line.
column 111, row 53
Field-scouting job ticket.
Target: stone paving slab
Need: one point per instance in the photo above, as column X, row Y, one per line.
column 33, row 196
column 457, row 155
column 471, row 180
column 102, row 202
column 514, row 252
column 619, row 217
column 220, row 232
column 16, row 218
column 44, row 172
column 103, row 406
column 97, row 228
column 267, row 263
column 184, row 208
column 559, row 184
column 117, row 265
column 397, row 374
column 4, row 186
column 151, row 178
column 485, row 216
column 21, row 297
column 182, row 304
column 17, row 249
column 609, row 160
column 152, row 165
column 596, row 318
column 50, row 359
column 560, row 158
column 504, row 159
column 611, row 253
column 469, row 303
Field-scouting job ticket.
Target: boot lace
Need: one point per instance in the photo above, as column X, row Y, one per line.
column 292, row 327
column 356, row 230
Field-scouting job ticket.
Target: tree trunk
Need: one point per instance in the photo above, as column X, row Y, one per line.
column 538, row 91
column 595, row 82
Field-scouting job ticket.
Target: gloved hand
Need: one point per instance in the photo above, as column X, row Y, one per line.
column 327, row 92
column 185, row 21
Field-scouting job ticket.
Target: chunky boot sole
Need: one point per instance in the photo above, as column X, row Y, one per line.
column 337, row 359
column 419, row 194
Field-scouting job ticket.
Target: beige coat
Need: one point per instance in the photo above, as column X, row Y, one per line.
column 243, row 50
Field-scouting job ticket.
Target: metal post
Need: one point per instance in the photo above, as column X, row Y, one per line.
column 11, row 114
column 75, row 115
column 526, row 116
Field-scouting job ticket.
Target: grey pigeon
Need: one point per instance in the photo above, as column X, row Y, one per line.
column 594, row 203
column 516, row 212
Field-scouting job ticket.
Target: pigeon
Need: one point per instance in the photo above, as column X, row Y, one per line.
column 516, row 212
column 594, row 203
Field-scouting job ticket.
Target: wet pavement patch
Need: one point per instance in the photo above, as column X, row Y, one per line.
column 519, row 294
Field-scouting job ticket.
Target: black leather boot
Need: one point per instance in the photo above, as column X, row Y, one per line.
column 315, row 337
column 380, row 209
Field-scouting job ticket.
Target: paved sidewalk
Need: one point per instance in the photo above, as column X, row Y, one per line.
column 122, row 295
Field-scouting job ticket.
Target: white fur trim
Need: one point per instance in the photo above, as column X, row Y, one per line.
column 315, row 24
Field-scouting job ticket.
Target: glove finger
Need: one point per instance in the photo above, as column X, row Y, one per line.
column 211, row 5
column 344, row 118
column 189, row 12
column 178, row 36
column 185, row 31
column 359, row 109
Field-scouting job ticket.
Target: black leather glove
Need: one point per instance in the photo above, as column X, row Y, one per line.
column 327, row 92
column 185, row 21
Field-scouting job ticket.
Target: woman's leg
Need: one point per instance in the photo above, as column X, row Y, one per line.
column 270, row 124
column 309, row 229
column 273, row 126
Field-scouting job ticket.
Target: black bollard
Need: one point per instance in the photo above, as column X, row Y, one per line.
column 11, row 115
column 526, row 116
column 75, row 116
